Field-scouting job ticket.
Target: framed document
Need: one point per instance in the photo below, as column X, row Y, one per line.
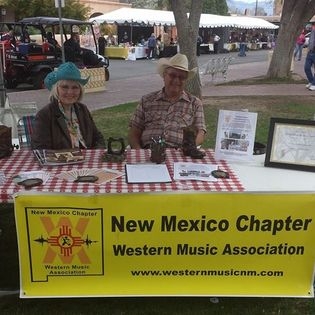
column 291, row 144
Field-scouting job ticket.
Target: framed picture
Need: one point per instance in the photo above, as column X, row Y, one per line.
column 291, row 144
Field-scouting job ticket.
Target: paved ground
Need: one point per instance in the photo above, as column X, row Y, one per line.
column 131, row 89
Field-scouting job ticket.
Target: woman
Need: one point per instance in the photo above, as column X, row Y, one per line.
column 65, row 122
column 299, row 44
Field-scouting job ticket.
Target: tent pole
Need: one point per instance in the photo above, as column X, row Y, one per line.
column 131, row 32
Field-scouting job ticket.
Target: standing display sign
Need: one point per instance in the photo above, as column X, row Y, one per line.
column 59, row 3
column 235, row 135
column 164, row 244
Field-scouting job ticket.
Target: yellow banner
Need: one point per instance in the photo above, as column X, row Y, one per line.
column 222, row 244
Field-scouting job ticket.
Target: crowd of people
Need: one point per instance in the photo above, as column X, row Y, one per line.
column 65, row 122
column 155, row 44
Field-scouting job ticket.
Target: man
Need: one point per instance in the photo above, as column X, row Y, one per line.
column 73, row 51
column 310, row 61
column 53, row 45
column 76, row 54
column 52, row 41
column 169, row 111
column 151, row 47
column 243, row 39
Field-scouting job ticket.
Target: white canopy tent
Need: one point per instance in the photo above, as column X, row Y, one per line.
column 212, row 21
column 248, row 22
column 131, row 15
column 159, row 17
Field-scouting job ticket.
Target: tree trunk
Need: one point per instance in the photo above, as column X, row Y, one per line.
column 294, row 15
column 187, row 30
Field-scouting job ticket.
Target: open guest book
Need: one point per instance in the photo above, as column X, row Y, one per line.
column 59, row 157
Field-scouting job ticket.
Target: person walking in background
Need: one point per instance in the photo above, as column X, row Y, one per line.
column 299, row 45
column 216, row 40
column 151, row 47
column 310, row 61
column 65, row 122
column 242, row 52
column 125, row 38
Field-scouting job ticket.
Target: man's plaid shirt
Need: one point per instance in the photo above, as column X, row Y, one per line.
column 156, row 116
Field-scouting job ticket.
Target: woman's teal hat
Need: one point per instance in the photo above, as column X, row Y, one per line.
column 66, row 71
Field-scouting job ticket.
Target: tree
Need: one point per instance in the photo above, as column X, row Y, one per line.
column 294, row 16
column 221, row 7
column 188, row 26
column 187, row 30
column 215, row 7
column 27, row 8
column 146, row 4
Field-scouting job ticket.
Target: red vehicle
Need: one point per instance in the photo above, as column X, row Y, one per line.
column 27, row 57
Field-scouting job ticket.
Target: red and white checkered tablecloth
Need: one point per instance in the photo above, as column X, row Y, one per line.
column 24, row 160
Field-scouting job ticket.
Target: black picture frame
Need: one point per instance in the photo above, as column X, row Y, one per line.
column 291, row 144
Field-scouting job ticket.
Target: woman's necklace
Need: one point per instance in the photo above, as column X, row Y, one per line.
column 67, row 113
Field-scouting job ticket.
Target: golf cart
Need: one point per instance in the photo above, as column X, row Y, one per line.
column 32, row 57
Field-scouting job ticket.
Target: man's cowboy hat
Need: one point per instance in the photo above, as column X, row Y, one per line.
column 66, row 71
column 178, row 61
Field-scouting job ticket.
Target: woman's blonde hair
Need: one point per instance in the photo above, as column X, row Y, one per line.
column 54, row 90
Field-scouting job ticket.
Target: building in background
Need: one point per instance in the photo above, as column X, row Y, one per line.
column 99, row 7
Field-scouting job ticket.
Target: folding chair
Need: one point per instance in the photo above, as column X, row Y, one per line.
column 25, row 130
column 23, row 109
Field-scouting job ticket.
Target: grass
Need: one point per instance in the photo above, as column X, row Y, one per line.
column 113, row 122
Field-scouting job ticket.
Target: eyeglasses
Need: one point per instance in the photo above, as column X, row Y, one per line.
column 67, row 87
column 173, row 76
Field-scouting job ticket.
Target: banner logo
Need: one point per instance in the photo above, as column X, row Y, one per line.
column 63, row 243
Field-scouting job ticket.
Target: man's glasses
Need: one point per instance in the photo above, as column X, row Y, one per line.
column 67, row 87
column 173, row 76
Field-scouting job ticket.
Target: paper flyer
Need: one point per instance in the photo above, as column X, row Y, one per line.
column 235, row 135
column 194, row 171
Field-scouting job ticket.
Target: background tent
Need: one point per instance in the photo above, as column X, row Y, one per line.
column 136, row 23
column 160, row 17
column 141, row 16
